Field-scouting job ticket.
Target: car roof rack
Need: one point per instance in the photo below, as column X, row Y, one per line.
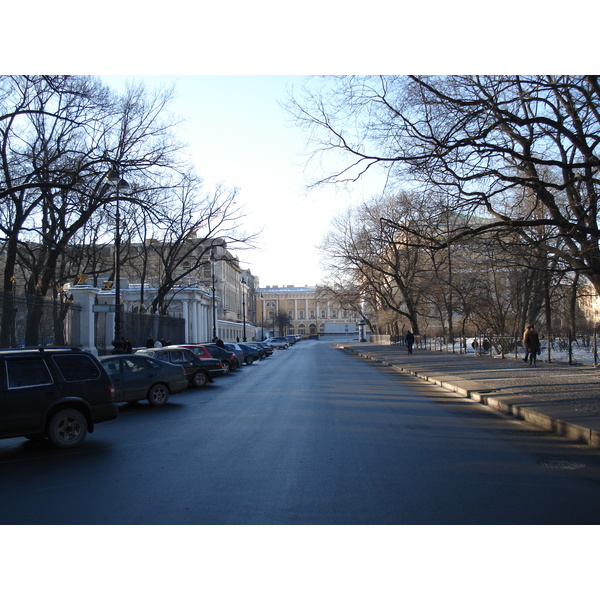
column 42, row 349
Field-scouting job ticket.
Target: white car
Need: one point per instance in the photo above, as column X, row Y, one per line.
column 277, row 342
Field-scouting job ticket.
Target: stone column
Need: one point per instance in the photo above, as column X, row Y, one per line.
column 85, row 295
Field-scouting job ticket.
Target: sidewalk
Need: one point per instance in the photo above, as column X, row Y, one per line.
column 561, row 398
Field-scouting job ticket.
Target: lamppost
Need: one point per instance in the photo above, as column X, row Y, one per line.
column 114, row 178
column 262, row 318
column 213, row 260
column 244, row 307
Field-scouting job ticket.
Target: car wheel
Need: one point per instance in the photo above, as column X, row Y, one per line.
column 199, row 379
column 158, row 394
column 285, row 346
column 226, row 368
column 67, row 428
column 249, row 360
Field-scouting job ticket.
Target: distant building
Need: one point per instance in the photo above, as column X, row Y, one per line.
column 308, row 311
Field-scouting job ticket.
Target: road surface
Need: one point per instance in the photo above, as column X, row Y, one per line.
column 311, row 435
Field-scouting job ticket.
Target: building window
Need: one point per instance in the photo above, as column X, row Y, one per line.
column 301, row 315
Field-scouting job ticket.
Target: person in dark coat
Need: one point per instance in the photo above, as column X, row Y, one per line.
column 219, row 342
column 532, row 345
column 410, row 340
column 149, row 342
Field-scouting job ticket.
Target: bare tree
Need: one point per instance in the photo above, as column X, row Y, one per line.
column 59, row 137
column 488, row 142
column 366, row 245
column 187, row 224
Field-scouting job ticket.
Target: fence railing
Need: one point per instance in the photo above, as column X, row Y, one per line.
column 42, row 322
column 580, row 348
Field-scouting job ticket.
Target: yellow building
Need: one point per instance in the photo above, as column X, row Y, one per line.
column 307, row 311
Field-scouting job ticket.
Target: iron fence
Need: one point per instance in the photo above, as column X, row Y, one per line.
column 572, row 348
column 34, row 321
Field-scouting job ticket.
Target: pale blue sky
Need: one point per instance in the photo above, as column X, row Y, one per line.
column 239, row 135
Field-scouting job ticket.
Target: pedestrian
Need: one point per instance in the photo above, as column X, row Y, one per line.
column 218, row 342
column 532, row 345
column 524, row 344
column 410, row 340
column 127, row 346
column 149, row 342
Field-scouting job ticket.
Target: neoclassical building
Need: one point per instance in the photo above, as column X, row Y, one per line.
column 309, row 313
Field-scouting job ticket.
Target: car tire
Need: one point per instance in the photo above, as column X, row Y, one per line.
column 158, row 394
column 199, row 379
column 67, row 428
column 249, row 360
column 226, row 368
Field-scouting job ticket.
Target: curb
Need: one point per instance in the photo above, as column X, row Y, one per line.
column 505, row 403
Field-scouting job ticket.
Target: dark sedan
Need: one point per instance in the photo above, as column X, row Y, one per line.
column 237, row 351
column 198, row 370
column 268, row 349
column 224, row 355
column 250, row 353
column 138, row 378
column 228, row 360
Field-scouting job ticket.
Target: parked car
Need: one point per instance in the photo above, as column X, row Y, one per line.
column 277, row 342
column 251, row 353
column 291, row 339
column 199, row 371
column 268, row 349
column 138, row 378
column 227, row 357
column 55, row 392
column 239, row 353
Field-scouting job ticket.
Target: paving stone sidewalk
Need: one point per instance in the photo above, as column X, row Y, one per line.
column 558, row 397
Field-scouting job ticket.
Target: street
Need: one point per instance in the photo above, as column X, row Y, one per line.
column 309, row 436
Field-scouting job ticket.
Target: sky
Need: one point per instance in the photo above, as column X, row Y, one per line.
column 238, row 134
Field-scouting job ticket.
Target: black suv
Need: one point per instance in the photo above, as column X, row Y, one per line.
column 54, row 392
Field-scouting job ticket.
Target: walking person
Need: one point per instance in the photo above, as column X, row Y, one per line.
column 532, row 345
column 410, row 340
column 525, row 343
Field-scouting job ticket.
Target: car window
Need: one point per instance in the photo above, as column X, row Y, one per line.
column 26, row 372
column 77, row 367
column 112, row 366
column 178, row 356
column 136, row 364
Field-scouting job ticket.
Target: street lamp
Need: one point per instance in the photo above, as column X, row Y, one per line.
column 244, row 307
column 213, row 260
column 114, row 178
column 262, row 318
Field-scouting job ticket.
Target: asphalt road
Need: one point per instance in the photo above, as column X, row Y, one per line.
column 309, row 436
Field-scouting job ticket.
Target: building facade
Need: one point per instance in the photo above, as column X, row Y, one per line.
column 308, row 312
